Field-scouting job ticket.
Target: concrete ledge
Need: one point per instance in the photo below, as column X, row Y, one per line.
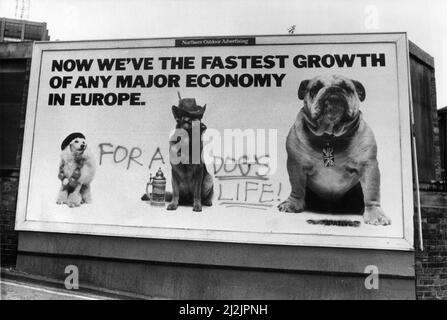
column 212, row 270
column 191, row 282
column 215, row 254
column 39, row 280
column 16, row 50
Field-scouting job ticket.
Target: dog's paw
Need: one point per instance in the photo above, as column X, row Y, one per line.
column 172, row 206
column 376, row 216
column 207, row 203
column 61, row 197
column 86, row 199
column 74, row 200
column 197, row 207
column 290, row 206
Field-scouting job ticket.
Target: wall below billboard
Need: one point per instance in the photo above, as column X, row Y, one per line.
column 209, row 270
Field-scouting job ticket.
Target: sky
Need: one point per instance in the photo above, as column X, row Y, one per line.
column 424, row 20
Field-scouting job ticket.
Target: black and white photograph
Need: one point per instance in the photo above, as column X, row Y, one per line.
column 223, row 150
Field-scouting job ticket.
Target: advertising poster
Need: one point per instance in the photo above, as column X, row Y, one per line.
column 291, row 140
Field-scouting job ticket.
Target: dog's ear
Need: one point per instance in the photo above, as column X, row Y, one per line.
column 176, row 112
column 360, row 89
column 302, row 89
column 66, row 152
column 204, row 109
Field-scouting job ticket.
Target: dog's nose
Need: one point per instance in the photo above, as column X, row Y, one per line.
column 334, row 98
column 334, row 101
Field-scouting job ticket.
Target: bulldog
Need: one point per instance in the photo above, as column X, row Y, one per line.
column 332, row 152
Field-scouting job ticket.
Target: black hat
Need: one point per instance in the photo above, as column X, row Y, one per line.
column 70, row 138
column 189, row 107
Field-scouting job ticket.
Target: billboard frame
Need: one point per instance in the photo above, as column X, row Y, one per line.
column 404, row 107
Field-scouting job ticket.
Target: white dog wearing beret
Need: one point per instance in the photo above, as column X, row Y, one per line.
column 76, row 171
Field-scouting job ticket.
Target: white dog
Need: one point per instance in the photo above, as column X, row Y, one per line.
column 76, row 171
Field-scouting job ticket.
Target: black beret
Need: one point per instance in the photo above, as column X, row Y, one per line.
column 70, row 138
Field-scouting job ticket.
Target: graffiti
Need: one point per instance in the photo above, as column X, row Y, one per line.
column 239, row 182
column 242, row 167
column 127, row 155
column 244, row 183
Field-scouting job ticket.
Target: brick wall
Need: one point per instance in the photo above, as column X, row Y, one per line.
column 442, row 123
column 9, row 177
column 431, row 263
column 23, row 112
column 8, row 238
column 436, row 142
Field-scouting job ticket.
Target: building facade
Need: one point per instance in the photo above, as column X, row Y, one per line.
column 13, row 30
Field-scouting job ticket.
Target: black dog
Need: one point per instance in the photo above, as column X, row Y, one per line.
column 191, row 182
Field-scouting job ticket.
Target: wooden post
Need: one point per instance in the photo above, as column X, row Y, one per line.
column 2, row 29
column 22, row 34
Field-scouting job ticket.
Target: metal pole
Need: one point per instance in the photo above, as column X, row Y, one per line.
column 418, row 194
column 415, row 157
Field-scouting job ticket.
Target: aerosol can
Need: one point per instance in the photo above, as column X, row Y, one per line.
column 158, row 193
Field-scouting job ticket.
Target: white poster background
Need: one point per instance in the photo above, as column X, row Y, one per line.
column 117, row 209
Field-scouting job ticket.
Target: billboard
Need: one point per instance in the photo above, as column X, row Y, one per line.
column 293, row 140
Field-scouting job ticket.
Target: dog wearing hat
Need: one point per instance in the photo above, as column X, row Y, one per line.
column 76, row 171
column 191, row 182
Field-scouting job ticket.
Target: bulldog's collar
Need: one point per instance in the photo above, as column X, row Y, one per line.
column 328, row 141
column 343, row 131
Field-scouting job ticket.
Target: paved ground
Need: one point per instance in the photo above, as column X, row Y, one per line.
column 19, row 290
